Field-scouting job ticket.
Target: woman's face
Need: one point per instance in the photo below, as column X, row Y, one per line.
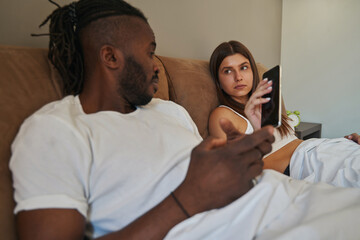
column 236, row 77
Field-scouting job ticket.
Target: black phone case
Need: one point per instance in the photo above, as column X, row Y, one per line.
column 271, row 111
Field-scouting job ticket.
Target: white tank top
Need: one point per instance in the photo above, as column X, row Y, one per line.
column 249, row 128
column 279, row 141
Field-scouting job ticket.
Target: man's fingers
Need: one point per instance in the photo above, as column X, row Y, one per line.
column 250, row 157
column 250, row 162
column 211, row 143
column 229, row 129
column 255, row 170
column 265, row 147
column 249, row 142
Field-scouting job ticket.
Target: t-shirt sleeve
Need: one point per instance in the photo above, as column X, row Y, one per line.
column 177, row 112
column 50, row 164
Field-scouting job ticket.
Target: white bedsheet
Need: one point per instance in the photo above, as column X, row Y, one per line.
column 280, row 208
column 335, row 161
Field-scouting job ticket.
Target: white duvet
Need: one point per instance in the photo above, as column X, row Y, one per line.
column 335, row 161
column 280, row 207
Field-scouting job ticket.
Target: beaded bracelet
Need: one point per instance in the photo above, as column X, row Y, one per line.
column 180, row 205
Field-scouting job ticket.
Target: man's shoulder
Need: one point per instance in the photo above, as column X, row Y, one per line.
column 166, row 107
column 57, row 106
column 62, row 110
column 53, row 119
column 171, row 110
column 66, row 105
column 159, row 101
column 160, row 104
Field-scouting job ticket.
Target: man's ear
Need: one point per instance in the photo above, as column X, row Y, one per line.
column 111, row 57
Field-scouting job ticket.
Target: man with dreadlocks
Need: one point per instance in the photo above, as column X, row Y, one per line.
column 110, row 162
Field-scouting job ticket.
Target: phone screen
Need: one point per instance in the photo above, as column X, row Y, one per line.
column 271, row 111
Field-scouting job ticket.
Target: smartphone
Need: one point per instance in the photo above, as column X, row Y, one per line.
column 271, row 111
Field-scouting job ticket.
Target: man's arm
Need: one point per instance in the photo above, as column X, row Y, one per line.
column 44, row 224
column 219, row 173
column 50, row 224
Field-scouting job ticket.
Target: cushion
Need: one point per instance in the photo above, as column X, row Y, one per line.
column 27, row 82
column 191, row 85
column 163, row 90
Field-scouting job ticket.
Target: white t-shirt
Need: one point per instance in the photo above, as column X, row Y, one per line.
column 111, row 167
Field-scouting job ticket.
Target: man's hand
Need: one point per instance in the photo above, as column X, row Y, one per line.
column 232, row 134
column 221, row 171
column 354, row 137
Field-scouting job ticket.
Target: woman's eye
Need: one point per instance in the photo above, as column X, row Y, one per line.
column 228, row 71
column 244, row 67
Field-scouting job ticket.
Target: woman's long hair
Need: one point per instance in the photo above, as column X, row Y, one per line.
column 230, row 48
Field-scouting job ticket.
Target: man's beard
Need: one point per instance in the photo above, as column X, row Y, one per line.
column 133, row 85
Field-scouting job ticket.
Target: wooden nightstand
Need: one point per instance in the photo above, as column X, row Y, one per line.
column 307, row 130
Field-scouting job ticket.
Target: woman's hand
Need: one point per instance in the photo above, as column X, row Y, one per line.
column 253, row 106
column 354, row 137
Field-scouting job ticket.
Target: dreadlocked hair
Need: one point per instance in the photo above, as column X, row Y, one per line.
column 65, row 50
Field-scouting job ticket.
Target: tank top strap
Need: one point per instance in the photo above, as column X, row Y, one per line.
column 249, row 128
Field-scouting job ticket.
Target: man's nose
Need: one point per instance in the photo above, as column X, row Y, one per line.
column 156, row 68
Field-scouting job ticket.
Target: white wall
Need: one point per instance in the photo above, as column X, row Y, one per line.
column 320, row 56
column 183, row 28
column 20, row 18
column 193, row 28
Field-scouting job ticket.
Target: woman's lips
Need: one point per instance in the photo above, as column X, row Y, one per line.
column 241, row 86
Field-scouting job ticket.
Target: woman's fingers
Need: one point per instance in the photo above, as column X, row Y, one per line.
column 255, row 102
column 263, row 88
column 260, row 101
column 354, row 137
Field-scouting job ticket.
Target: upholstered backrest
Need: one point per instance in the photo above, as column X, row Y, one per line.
column 191, row 86
column 26, row 83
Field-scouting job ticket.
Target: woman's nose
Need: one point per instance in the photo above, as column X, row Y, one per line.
column 238, row 77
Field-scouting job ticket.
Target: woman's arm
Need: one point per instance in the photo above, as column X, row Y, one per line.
column 221, row 112
column 354, row 137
